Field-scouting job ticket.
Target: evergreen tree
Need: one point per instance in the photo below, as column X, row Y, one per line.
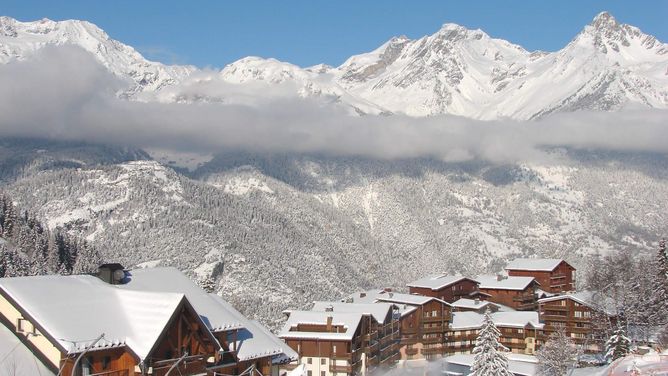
column 207, row 284
column 489, row 359
column 618, row 346
column 557, row 355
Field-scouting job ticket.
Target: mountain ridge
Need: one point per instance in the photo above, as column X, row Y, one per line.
column 608, row 66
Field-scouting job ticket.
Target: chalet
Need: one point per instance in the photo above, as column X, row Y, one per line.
column 246, row 343
column 85, row 324
column 328, row 343
column 446, row 287
column 423, row 321
column 475, row 305
column 582, row 317
column 381, row 344
column 553, row 275
column 521, row 332
column 518, row 293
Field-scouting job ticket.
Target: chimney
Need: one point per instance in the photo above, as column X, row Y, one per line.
column 500, row 277
column 476, row 301
column 112, row 273
column 329, row 323
column 387, row 289
column 329, row 308
column 391, row 294
column 362, row 294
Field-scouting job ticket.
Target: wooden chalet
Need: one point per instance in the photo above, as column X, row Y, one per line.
column 85, row 324
column 553, row 275
column 521, row 332
column 423, row 320
column 579, row 315
column 328, row 343
column 381, row 344
column 518, row 293
column 474, row 305
column 446, row 287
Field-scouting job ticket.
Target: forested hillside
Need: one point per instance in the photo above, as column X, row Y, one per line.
column 27, row 247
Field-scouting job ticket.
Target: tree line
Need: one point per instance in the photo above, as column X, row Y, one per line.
column 28, row 247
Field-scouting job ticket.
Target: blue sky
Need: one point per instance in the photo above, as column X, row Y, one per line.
column 215, row 33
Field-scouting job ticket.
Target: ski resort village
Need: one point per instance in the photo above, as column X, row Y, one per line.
column 156, row 321
column 333, row 188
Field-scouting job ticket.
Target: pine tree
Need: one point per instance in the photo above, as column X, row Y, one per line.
column 618, row 346
column 557, row 355
column 489, row 359
column 207, row 284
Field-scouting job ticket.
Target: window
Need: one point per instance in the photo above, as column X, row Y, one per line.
column 578, row 314
column 106, row 362
column 434, row 313
column 323, row 373
column 309, row 373
column 333, row 349
column 587, row 314
column 309, row 360
column 562, row 302
column 520, row 331
column 323, row 361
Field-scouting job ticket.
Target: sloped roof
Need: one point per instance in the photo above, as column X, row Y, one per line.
column 75, row 310
column 253, row 340
column 471, row 303
column 436, row 281
column 506, row 283
column 588, row 298
column 15, row 356
column 534, row 264
column 349, row 321
column 168, row 279
column 518, row 364
column 378, row 311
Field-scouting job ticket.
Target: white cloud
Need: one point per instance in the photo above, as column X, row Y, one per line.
column 62, row 93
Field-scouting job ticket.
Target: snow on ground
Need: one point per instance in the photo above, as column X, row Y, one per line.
column 240, row 186
column 148, row 264
column 188, row 160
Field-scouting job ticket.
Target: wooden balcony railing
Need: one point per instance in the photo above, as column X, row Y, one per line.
column 123, row 372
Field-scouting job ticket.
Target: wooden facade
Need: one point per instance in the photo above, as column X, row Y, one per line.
column 372, row 346
column 524, row 340
column 560, row 279
column 423, row 330
column 462, row 288
column 519, row 299
column 585, row 325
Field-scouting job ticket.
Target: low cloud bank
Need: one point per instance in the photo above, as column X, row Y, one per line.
column 63, row 93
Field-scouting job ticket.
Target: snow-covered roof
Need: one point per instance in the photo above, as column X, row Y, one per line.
column 472, row 304
column 75, row 310
column 378, row 311
column 436, row 281
column 587, row 298
column 349, row 322
column 505, row 283
column 515, row 319
column 254, row 340
column 168, row 279
column 534, row 264
column 406, row 303
column 518, row 364
column 17, row 359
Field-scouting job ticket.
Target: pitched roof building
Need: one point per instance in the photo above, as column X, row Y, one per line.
column 153, row 321
column 554, row 275
column 516, row 292
column 445, row 287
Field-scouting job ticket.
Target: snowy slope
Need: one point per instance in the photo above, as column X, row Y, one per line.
column 607, row 66
column 19, row 40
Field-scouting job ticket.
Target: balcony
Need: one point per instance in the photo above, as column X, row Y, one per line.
column 432, row 340
column 112, row 373
column 433, row 350
column 434, row 319
column 340, row 368
column 434, row 329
